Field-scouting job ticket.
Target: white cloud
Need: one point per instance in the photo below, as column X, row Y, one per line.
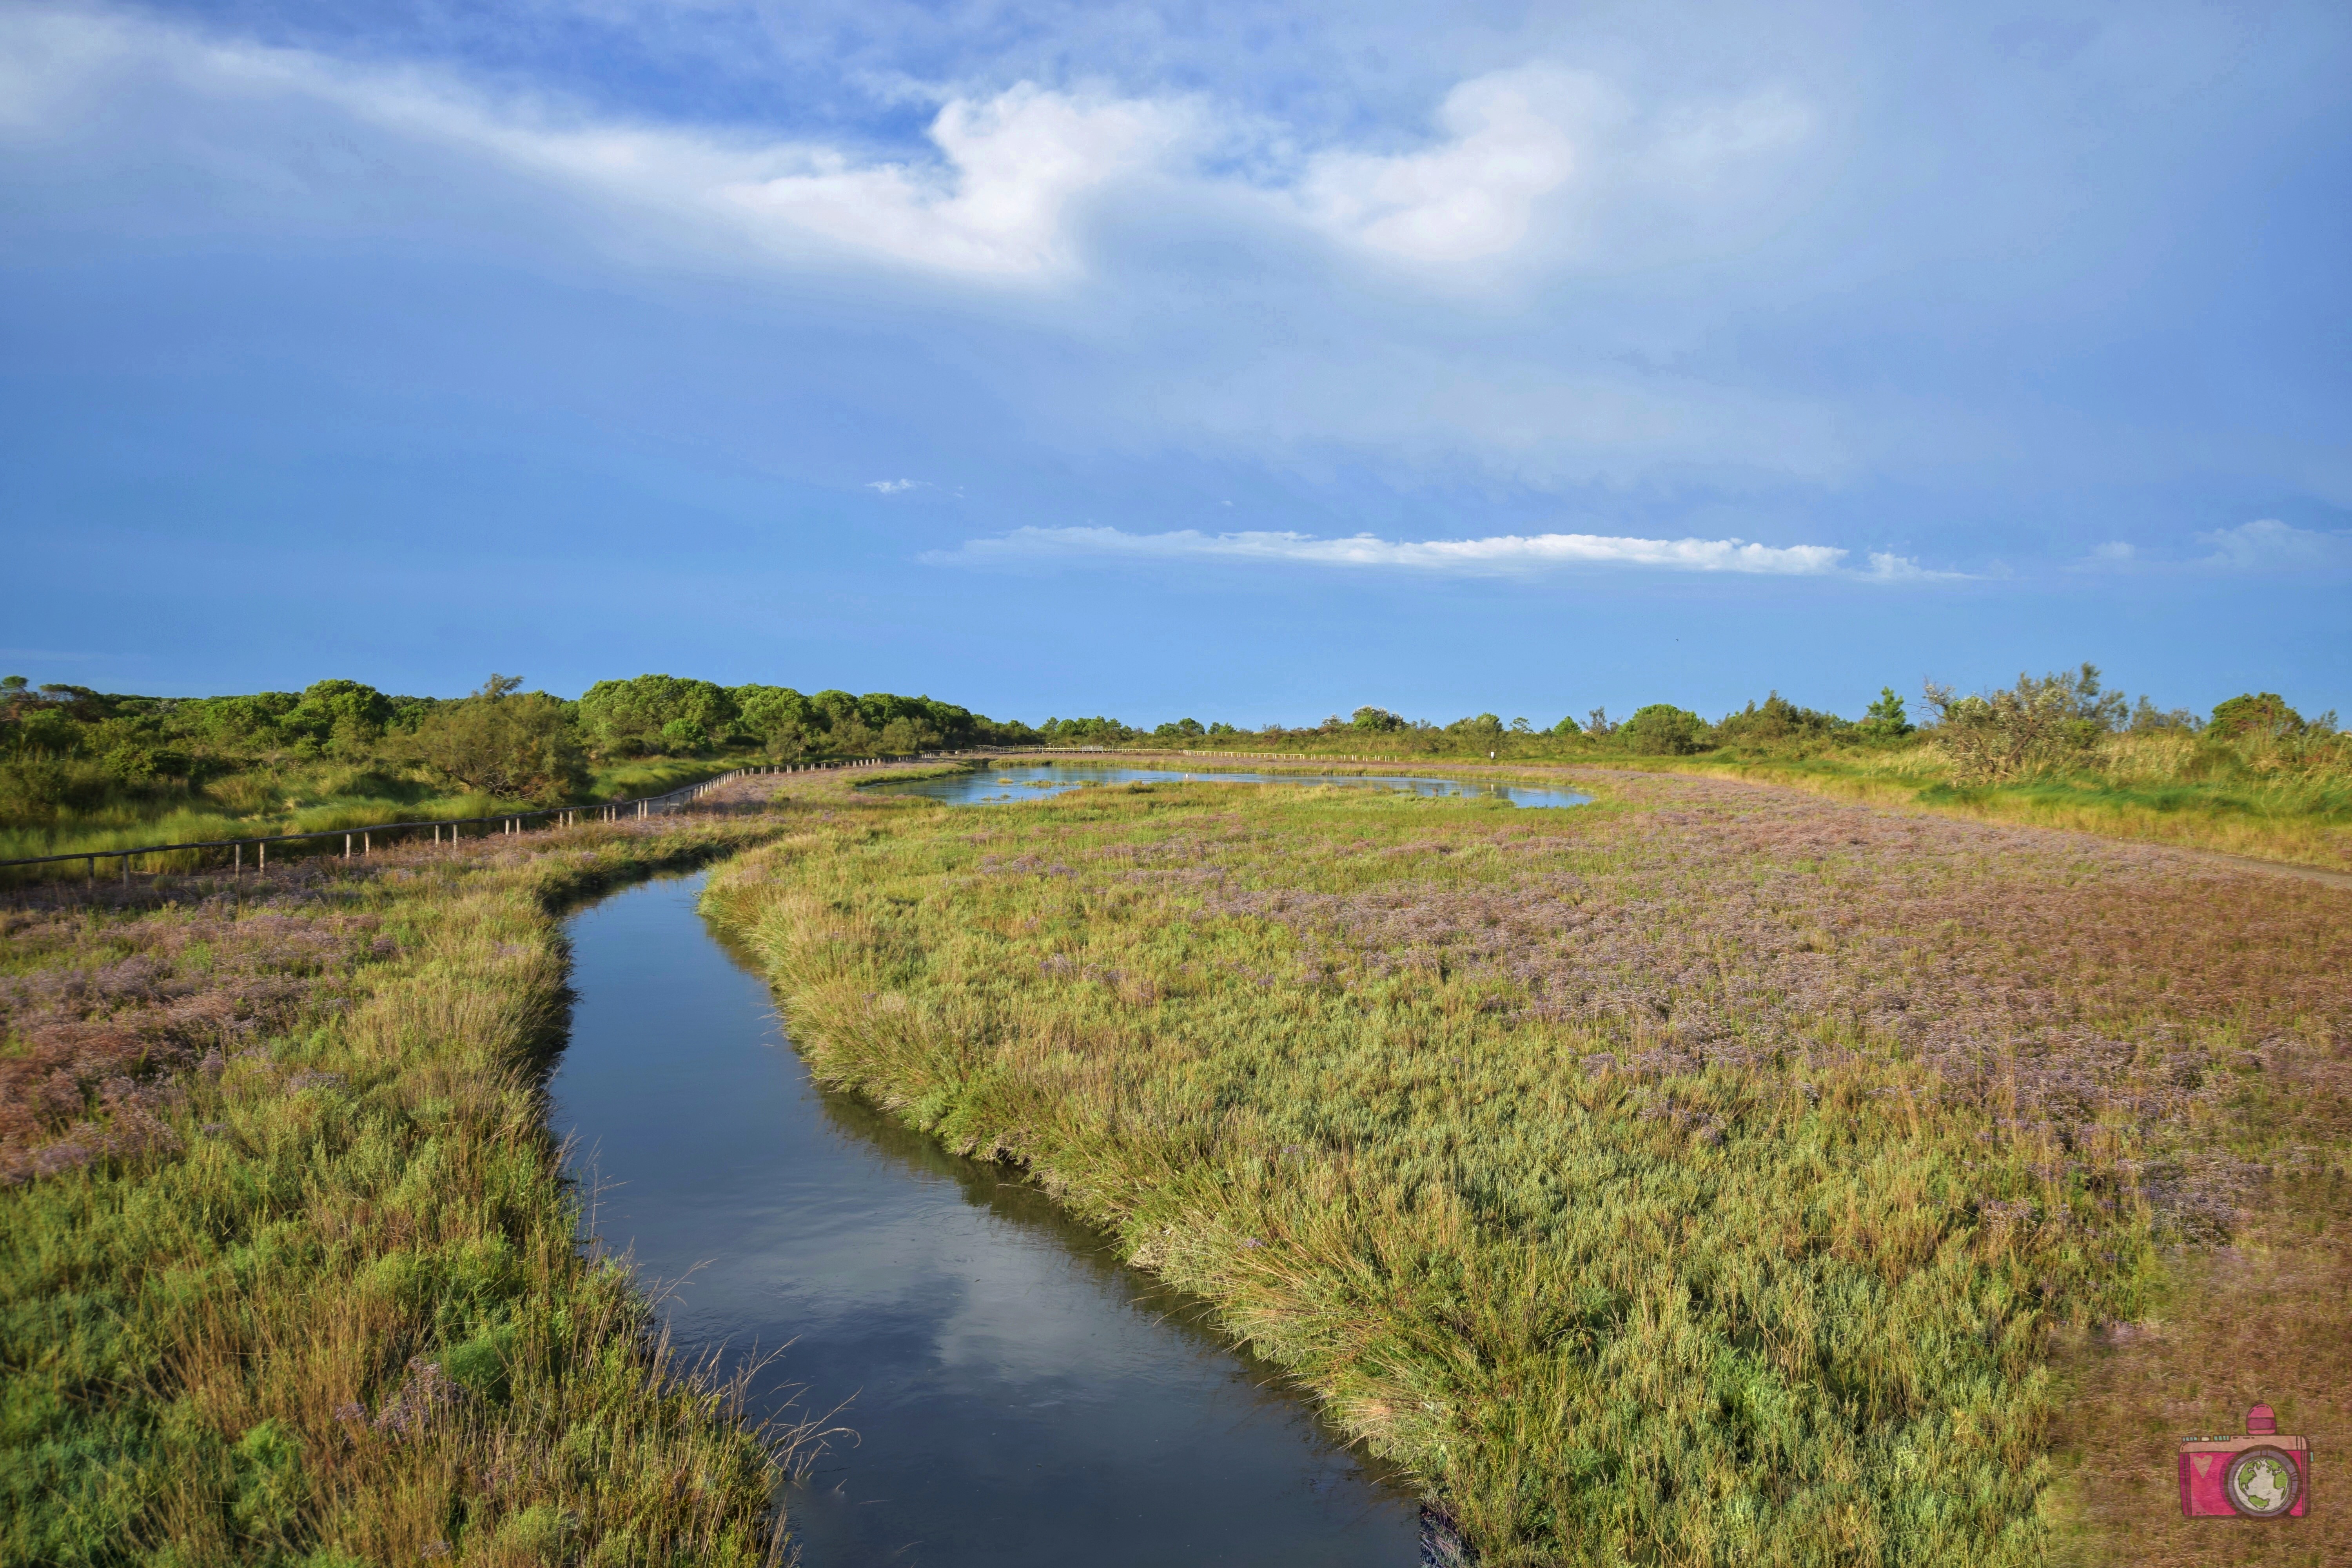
column 998, row 199
column 2266, row 545
column 1015, row 164
column 1467, row 197
column 1889, row 568
column 1507, row 553
column 1002, row 190
column 2115, row 553
column 897, row 486
column 1518, row 139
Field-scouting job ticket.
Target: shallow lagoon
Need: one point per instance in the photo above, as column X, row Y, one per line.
column 1038, row 781
column 1019, row 1395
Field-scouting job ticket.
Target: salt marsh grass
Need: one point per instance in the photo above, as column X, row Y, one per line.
column 1716, row 1174
column 288, row 1268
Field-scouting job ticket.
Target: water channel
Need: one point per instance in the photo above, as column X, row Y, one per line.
column 1037, row 781
column 1019, row 1395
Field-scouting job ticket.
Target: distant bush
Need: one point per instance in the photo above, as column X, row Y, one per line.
column 2256, row 715
column 1776, row 720
column 2033, row 726
column 35, row 787
column 1483, row 727
column 1095, row 731
column 2147, row 718
column 1662, row 729
column 521, row 745
column 1376, row 720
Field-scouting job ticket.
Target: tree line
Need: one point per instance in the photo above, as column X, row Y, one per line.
column 70, row 747
column 64, row 746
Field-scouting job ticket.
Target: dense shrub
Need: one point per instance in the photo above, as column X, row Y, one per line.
column 1778, row 719
column 505, row 745
column 2030, row 728
column 627, row 718
column 2256, row 714
column 1662, row 729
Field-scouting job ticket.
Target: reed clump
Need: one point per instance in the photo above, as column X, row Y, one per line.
column 289, row 1271
column 1716, row 1175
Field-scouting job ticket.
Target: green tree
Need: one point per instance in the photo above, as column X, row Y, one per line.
column 2259, row 714
column 1567, row 726
column 1885, row 719
column 501, row 742
column 2147, row 718
column 1663, row 730
column 1377, row 720
column 626, row 718
column 779, row 719
column 342, row 716
column 1776, row 720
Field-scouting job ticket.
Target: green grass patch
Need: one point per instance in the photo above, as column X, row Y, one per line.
column 1713, row 1175
column 287, row 1262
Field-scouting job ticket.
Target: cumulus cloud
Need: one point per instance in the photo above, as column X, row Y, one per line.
column 1512, row 140
column 2266, row 545
column 1471, row 195
column 1508, row 553
column 996, row 198
column 1002, row 189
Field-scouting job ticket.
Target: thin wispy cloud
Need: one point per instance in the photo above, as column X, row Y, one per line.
column 2267, row 544
column 897, row 486
column 1500, row 554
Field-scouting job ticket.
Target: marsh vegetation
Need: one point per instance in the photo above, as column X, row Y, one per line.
column 287, row 1262
column 1715, row 1174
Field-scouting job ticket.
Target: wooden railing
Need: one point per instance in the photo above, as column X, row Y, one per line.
column 362, row 838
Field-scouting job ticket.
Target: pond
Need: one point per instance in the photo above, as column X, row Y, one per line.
column 1038, row 781
column 1019, row 1395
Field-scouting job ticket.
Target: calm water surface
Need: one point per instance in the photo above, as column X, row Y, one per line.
column 1020, row 1397
column 1034, row 781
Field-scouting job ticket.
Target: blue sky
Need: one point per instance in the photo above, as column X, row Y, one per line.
column 1246, row 361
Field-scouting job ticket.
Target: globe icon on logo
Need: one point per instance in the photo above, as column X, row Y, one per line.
column 2261, row 1483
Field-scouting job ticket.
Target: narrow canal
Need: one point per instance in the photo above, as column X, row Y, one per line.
column 1019, row 1396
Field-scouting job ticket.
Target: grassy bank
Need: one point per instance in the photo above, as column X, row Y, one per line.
column 288, row 1266
column 1716, row 1174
